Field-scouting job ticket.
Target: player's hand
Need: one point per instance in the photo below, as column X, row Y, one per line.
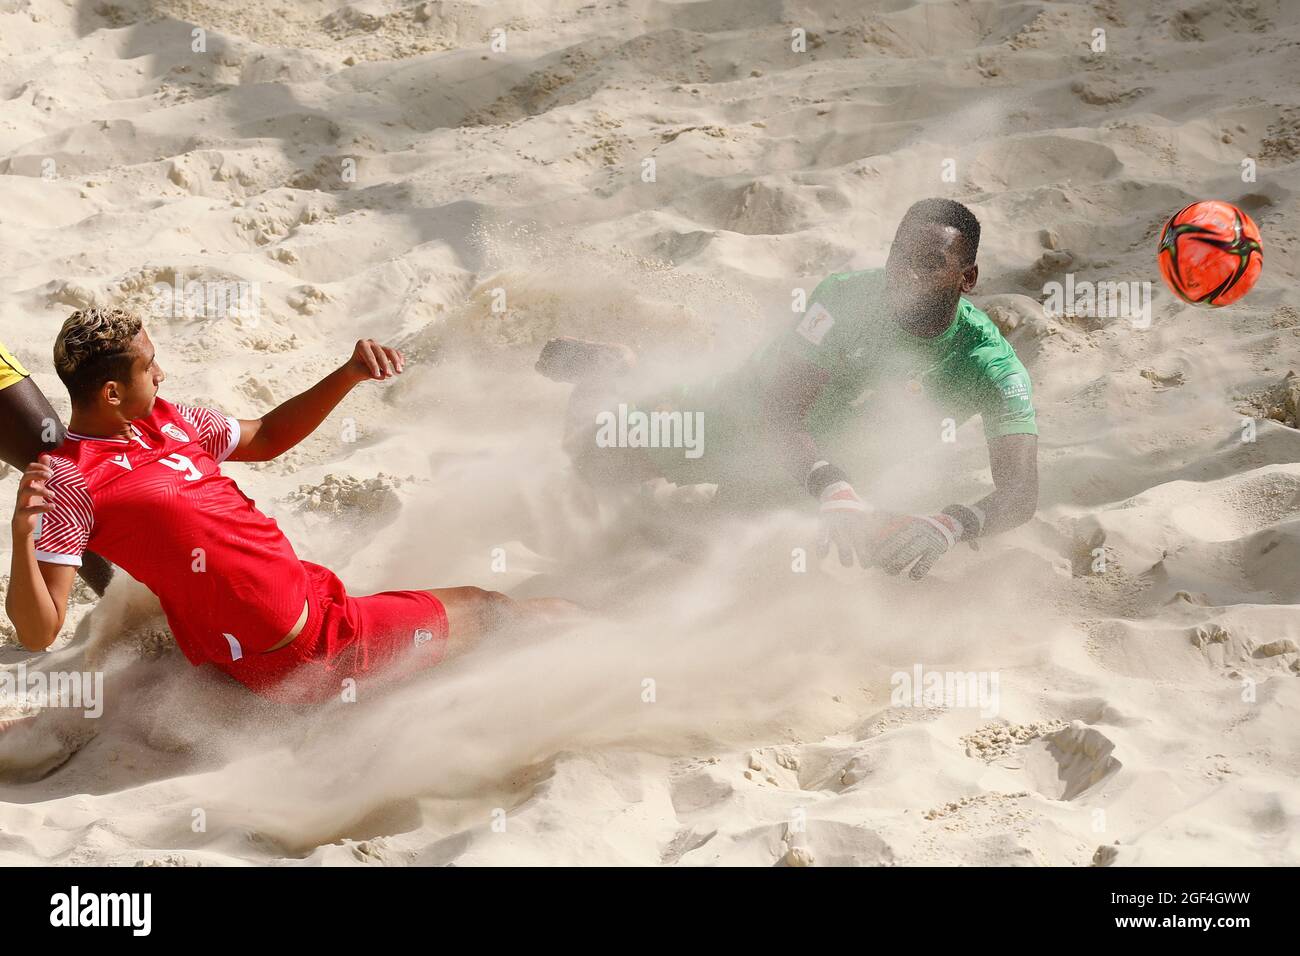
column 847, row 523
column 370, row 360
column 34, row 499
column 916, row 541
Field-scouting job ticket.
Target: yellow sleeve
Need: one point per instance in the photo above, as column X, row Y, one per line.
column 11, row 370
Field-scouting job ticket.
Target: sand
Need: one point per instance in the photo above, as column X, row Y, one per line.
column 379, row 169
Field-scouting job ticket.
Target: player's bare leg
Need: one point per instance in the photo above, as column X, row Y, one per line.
column 474, row 613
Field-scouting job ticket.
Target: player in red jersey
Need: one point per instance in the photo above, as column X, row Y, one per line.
column 138, row 480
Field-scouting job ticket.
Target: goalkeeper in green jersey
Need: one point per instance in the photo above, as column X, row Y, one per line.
column 791, row 422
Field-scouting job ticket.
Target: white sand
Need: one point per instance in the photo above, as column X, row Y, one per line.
column 1147, row 714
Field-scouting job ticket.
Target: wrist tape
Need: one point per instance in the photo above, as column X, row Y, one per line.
column 971, row 519
column 821, row 476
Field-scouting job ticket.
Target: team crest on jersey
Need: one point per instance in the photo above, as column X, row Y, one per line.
column 175, row 431
column 422, row 636
column 817, row 321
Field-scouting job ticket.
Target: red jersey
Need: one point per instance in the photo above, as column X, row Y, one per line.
column 158, row 506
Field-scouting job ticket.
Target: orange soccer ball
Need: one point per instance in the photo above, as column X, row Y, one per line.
column 1210, row 253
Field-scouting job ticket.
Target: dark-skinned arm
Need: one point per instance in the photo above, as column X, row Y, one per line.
column 1014, row 461
column 786, row 397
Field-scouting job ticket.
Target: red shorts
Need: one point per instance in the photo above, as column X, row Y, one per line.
column 385, row 635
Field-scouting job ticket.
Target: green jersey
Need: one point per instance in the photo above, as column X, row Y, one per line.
column 885, row 386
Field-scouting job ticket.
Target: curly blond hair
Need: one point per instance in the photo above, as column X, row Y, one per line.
column 94, row 347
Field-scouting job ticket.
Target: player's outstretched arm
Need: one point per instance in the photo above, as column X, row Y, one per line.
column 277, row 431
column 1014, row 462
column 789, row 393
column 38, row 591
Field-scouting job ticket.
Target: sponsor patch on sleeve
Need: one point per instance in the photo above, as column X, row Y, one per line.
column 1014, row 388
column 817, row 321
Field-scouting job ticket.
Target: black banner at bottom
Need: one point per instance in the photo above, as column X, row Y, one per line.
column 306, row 905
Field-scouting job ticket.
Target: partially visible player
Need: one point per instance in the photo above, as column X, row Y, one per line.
column 28, row 426
column 139, row 480
column 878, row 358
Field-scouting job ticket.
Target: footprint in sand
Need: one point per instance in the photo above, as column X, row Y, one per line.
column 34, row 746
column 1068, row 763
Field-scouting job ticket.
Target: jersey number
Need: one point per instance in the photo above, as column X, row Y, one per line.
column 179, row 462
